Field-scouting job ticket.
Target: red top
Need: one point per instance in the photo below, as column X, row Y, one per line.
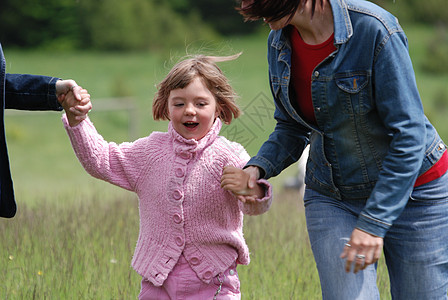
column 304, row 60
column 435, row 172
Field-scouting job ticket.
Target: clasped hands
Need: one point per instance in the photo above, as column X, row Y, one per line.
column 242, row 183
column 74, row 99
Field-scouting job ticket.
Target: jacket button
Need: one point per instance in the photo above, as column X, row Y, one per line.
column 316, row 74
column 441, row 146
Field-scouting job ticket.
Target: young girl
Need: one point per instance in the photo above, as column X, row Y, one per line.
column 190, row 238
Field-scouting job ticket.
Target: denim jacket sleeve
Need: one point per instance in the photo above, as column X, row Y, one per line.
column 288, row 140
column 400, row 108
column 31, row 92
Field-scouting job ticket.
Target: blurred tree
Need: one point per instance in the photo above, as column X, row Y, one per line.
column 143, row 24
column 98, row 24
column 431, row 12
column 436, row 59
column 220, row 14
column 37, row 23
column 428, row 11
column 137, row 24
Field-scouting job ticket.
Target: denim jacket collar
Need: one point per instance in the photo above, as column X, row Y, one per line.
column 343, row 29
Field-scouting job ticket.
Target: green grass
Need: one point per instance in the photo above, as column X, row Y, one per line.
column 60, row 251
column 83, row 250
column 74, row 236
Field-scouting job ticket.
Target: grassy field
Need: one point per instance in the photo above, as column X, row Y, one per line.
column 74, row 236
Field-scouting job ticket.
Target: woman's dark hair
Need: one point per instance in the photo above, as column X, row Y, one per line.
column 272, row 10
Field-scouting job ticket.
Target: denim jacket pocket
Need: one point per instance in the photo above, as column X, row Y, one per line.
column 353, row 88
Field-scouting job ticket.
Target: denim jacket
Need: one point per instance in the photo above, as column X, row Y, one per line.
column 19, row 91
column 372, row 139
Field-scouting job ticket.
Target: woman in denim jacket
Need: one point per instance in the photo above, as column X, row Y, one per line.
column 376, row 180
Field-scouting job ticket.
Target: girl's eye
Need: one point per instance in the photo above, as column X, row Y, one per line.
column 202, row 104
column 178, row 104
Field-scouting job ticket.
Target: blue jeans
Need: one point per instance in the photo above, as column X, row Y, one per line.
column 415, row 247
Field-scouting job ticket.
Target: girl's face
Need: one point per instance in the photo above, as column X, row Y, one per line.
column 192, row 110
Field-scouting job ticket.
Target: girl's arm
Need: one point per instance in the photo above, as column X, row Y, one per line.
column 118, row 164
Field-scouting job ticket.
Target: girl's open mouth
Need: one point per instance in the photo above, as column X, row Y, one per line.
column 191, row 124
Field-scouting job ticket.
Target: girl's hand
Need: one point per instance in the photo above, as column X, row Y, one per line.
column 362, row 249
column 236, row 181
column 76, row 110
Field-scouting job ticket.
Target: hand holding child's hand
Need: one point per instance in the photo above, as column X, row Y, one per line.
column 236, row 181
column 76, row 110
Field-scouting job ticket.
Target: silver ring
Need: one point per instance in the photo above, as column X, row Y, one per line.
column 360, row 256
column 348, row 245
column 73, row 87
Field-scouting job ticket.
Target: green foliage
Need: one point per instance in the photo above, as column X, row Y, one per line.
column 100, row 24
column 149, row 24
column 138, row 25
column 39, row 23
column 428, row 11
column 436, row 58
column 219, row 14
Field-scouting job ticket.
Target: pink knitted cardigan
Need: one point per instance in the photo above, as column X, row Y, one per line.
column 183, row 209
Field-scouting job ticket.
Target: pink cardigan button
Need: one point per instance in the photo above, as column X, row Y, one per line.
column 195, row 261
column 185, row 155
column 179, row 241
column 177, row 218
column 179, row 172
column 177, row 195
column 208, row 275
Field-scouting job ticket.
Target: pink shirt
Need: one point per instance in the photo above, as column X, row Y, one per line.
column 183, row 208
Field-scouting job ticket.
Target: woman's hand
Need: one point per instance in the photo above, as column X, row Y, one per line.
column 362, row 249
column 63, row 87
column 254, row 175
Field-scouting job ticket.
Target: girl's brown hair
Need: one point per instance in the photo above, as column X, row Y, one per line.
column 185, row 71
